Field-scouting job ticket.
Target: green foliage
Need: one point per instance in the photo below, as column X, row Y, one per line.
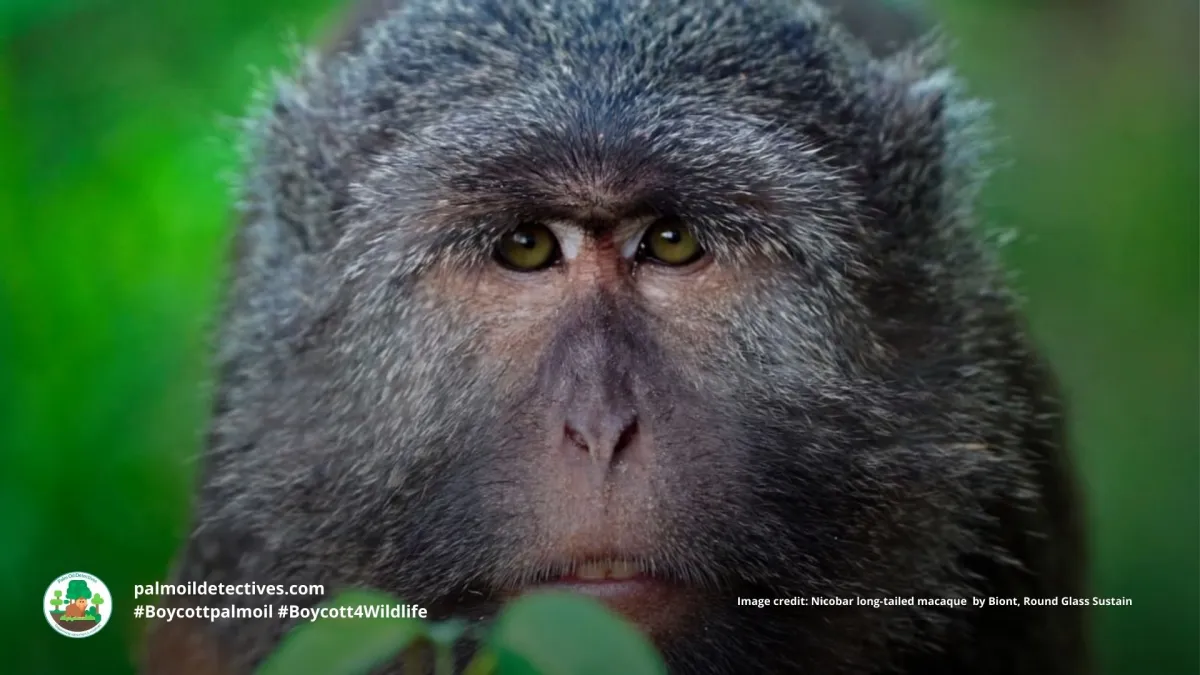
column 559, row 634
column 78, row 588
column 539, row 634
column 344, row 645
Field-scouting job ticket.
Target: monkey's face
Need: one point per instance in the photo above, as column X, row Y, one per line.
column 632, row 354
column 668, row 329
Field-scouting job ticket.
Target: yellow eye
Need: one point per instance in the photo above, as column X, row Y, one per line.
column 528, row 248
column 670, row 243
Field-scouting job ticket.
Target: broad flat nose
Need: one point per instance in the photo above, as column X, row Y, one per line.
column 603, row 431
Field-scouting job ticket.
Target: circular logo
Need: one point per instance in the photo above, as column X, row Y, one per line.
column 77, row 604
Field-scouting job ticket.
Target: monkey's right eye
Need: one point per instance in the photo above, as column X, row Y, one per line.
column 528, row 248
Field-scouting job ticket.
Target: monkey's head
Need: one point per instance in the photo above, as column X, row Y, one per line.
column 671, row 304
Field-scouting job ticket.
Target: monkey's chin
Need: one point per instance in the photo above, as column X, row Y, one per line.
column 658, row 608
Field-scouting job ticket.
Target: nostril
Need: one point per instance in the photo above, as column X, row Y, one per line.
column 625, row 437
column 575, row 437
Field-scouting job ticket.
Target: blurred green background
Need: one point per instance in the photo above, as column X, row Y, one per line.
column 116, row 143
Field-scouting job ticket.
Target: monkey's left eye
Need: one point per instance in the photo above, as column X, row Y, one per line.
column 669, row 242
column 528, row 248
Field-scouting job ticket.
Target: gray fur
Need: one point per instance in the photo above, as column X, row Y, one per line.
column 873, row 421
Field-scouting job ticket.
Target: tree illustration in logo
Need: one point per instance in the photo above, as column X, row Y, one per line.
column 80, row 607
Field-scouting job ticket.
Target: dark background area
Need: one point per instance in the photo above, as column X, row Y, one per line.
column 117, row 133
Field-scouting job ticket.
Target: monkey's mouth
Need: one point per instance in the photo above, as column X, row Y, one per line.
column 605, row 570
column 655, row 603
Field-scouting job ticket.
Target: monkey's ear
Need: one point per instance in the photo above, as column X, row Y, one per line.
column 298, row 156
column 298, row 146
column 928, row 161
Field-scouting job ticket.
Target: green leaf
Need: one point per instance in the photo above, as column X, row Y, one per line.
column 555, row 633
column 443, row 635
column 446, row 633
column 484, row 663
column 344, row 646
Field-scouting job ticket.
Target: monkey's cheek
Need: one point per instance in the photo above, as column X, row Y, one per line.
column 659, row 609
